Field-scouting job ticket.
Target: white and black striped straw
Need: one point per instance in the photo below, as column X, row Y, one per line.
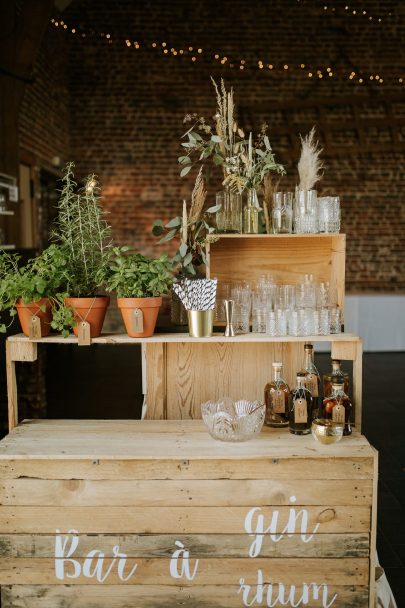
column 197, row 294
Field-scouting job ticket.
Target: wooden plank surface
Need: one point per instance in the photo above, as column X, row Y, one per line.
column 200, row 545
column 160, row 520
column 112, row 468
column 152, row 596
column 115, row 339
column 211, row 571
column 72, row 492
column 164, row 440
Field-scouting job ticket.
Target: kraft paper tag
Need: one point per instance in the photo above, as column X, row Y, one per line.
column 137, row 320
column 35, row 328
column 83, row 334
column 311, row 382
column 279, row 402
column 338, row 413
column 300, row 411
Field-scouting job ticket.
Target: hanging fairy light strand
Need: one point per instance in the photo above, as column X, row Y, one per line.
column 355, row 11
column 195, row 53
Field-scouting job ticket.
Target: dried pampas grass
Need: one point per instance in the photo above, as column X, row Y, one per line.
column 198, row 197
column 309, row 165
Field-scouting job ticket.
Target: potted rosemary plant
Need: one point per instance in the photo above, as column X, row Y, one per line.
column 31, row 290
column 139, row 282
column 84, row 237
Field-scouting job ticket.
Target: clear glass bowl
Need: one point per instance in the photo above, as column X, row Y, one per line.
column 229, row 420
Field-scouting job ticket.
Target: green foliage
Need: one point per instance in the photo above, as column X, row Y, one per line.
column 63, row 319
column 132, row 275
column 42, row 277
column 191, row 254
column 83, row 234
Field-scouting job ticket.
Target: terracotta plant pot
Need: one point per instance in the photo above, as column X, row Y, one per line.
column 25, row 312
column 150, row 309
column 91, row 310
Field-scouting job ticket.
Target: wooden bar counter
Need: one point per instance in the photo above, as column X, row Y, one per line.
column 121, row 514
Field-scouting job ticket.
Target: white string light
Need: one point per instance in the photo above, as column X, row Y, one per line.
column 196, row 53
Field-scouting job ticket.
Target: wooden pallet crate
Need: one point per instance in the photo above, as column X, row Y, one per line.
column 288, row 257
column 281, row 509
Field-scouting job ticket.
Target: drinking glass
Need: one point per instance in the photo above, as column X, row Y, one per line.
column 293, row 323
column 285, row 297
column 282, row 212
column 281, row 322
column 271, row 326
column 305, row 293
column 334, row 320
column 329, row 214
column 324, row 326
column 305, row 214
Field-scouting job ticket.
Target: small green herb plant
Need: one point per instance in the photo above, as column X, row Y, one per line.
column 84, row 238
column 42, row 277
column 133, row 275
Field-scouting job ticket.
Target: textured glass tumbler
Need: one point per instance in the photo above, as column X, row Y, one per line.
column 329, row 214
column 305, row 216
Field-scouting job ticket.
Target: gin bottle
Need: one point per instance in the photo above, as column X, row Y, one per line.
column 301, row 405
column 312, row 378
column 336, row 371
column 337, row 406
column 276, row 395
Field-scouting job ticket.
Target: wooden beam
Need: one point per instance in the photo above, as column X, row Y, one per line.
column 20, row 37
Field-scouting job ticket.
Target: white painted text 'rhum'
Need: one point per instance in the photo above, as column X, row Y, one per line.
column 277, row 594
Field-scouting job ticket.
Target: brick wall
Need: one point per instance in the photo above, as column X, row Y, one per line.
column 127, row 106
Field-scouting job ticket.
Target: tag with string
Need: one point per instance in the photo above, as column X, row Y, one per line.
column 83, row 334
column 35, row 328
column 137, row 320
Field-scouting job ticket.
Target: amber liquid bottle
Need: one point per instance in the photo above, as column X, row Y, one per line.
column 276, row 394
column 336, row 371
column 301, row 405
column 337, row 406
column 312, row 378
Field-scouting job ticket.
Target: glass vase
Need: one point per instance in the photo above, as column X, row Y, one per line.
column 282, row 212
column 229, row 216
column 305, row 218
column 251, row 213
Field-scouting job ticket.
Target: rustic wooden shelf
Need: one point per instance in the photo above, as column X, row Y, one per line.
column 138, row 487
column 185, row 338
column 180, row 372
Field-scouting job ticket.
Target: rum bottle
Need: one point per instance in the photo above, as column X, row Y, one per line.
column 301, row 405
column 336, row 371
column 276, row 395
column 337, row 406
column 312, row 378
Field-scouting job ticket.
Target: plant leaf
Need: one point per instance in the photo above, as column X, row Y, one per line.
column 168, row 236
column 185, row 170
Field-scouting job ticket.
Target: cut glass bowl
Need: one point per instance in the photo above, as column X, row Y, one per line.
column 229, row 420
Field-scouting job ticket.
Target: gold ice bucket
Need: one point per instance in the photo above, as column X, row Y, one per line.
column 200, row 323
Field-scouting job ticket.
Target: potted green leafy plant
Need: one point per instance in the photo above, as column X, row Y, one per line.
column 32, row 290
column 84, row 237
column 139, row 282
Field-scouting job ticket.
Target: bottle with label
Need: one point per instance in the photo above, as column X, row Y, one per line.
column 336, row 371
column 276, row 395
column 301, row 405
column 312, row 378
column 337, row 406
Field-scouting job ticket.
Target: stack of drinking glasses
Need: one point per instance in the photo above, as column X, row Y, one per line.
column 305, row 213
column 306, row 309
